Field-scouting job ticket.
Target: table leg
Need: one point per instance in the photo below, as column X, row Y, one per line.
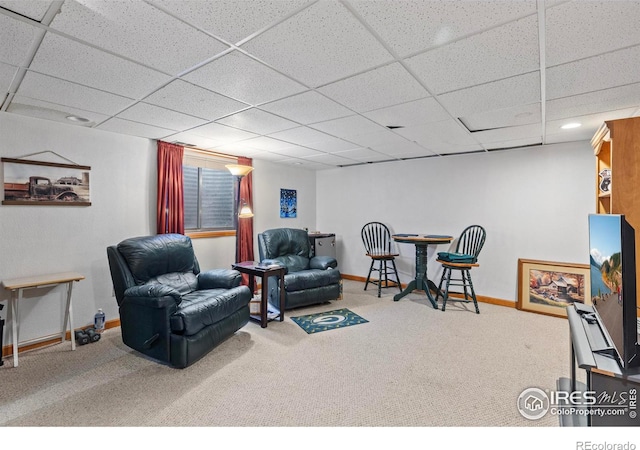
column 68, row 318
column 14, row 323
column 282, row 293
column 421, row 281
column 263, row 303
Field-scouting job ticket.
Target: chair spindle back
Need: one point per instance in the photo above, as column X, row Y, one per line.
column 471, row 240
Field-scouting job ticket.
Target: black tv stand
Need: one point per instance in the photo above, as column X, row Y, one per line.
column 613, row 386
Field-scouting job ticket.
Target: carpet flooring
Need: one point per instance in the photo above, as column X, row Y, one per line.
column 410, row 366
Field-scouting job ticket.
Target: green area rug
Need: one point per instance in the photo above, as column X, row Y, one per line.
column 330, row 320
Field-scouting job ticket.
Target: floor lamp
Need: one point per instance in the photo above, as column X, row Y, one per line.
column 243, row 210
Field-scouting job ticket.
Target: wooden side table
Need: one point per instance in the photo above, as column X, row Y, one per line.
column 17, row 285
column 254, row 269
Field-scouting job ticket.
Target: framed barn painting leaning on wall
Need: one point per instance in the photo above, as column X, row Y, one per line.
column 547, row 287
column 28, row 182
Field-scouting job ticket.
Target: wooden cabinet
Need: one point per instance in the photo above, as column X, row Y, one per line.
column 617, row 149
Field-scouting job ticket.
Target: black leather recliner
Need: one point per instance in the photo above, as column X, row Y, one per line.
column 169, row 310
column 308, row 280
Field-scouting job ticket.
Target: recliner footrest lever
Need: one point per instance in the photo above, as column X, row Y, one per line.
column 149, row 342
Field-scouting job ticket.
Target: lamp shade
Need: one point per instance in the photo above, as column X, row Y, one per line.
column 238, row 170
column 245, row 212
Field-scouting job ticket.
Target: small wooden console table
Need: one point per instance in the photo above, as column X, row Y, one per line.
column 254, row 269
column 18, row 285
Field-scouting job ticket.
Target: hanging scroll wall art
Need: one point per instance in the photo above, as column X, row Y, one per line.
column 28, row 182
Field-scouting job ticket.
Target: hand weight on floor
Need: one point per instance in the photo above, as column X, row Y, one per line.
column 87, row 335
column 82, row 338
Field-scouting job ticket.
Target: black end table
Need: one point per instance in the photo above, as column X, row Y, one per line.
column 254, row 269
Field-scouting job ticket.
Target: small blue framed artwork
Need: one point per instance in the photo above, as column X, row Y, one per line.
column 288, row 203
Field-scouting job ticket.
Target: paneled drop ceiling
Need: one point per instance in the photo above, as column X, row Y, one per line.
column 325, row 83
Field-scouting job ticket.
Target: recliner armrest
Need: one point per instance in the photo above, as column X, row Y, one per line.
column 155, row 295
column 219, row 279
column 323, row 262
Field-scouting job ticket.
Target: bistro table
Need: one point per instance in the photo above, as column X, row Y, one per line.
column 421, row 242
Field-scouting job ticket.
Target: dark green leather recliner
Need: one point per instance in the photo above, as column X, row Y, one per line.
column 169, row 310
column 308, row 280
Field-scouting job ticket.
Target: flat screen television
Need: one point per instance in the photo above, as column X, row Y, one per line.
column 613, row 283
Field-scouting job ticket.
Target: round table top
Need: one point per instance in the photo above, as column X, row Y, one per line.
column 424, row 238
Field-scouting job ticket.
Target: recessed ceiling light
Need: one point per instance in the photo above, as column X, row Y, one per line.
column 568, row 126
column 78, row 119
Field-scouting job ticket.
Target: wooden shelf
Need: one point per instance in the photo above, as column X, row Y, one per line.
column 616, row 146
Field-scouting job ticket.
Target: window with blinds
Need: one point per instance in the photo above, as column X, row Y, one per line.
column 209, row 192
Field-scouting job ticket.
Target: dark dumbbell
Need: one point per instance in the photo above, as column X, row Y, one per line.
column 93, row 336
column 82, row 338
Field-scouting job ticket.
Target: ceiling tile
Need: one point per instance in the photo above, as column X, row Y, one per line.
column 413, row 25
column 134, row 128
column 519, row 90
column 593, row 102
column 34, row 9
column 222, row 133
column 362, row 155
column 331, row 144
column 235, row 75
column 297, row 151
column 44, row 110
column 265, row 143
column 407, row 147
column 515, row 143
column 300, row 135
column 600, row 72
column 7, row 72
column 380, row 138
column 348, row 126
column 340, row 45
column 270, row 156
column 67, row 59
column 162, row 117
column 333, row 159
column 314, row 139
column 411, row 113
column 531, row 131
column 194, row 100
column 236, row 148
column 306, row 108
column 257, row 121
column 506, row 117
column 138, row 31
column 505, row 51
column 191, row 140
column 438, row 135
column 55, row 90
column 249, row 17
column 20, row 35
column 378, row 88
column 306, row 164
column 576, row 30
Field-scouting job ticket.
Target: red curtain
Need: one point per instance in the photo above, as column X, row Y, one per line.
column 245, row 226
column 170, row 189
